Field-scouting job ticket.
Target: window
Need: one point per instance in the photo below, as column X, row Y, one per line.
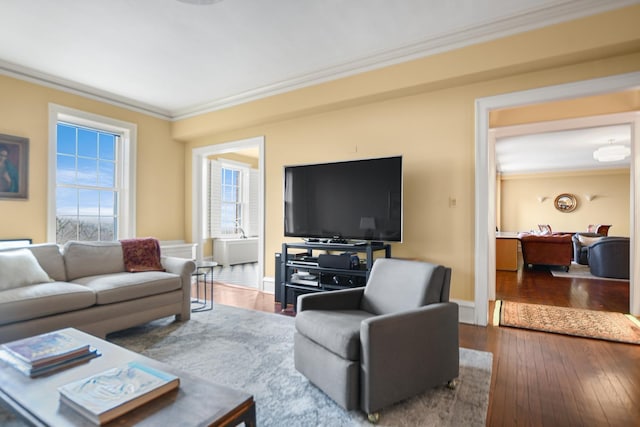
column 86, row 185
column 231, row 201
column 91, row 177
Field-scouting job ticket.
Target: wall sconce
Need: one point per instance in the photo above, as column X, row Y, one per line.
column 590, row 197
column 542, row 198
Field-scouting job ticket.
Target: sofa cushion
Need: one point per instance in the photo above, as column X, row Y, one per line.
column 30, row 302
column 50, row 258
column 111, row 288
column 335, row 330
column 83, row 259
column 20, row 268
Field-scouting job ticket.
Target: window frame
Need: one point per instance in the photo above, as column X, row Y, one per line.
column 125, row 167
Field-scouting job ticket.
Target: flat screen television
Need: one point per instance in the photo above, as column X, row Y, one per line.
column 358, row 200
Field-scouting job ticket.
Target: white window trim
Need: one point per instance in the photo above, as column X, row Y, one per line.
column 128, row 131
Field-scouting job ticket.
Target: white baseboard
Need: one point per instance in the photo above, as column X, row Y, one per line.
column 268, row 285
column 467, row 311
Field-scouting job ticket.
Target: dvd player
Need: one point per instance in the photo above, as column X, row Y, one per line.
column 303, row 263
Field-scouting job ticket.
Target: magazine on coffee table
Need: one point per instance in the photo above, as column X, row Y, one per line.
column 111, row 393
column 46, row 349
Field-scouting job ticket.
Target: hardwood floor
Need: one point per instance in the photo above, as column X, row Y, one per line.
column 538, row 379
column 538, row 286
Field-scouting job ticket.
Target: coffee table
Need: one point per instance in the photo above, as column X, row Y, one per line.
column 196, row 402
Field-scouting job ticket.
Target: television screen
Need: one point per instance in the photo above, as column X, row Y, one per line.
column 358, row 200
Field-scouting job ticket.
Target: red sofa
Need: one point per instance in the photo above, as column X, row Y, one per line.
column 547, row 249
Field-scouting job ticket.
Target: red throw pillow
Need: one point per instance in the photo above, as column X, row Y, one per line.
column 141, row 255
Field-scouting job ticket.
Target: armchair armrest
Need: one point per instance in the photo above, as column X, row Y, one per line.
column 345, row 299
column 407, row 352
column 184, row 268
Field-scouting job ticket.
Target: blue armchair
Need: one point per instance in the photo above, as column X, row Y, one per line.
column 609, row 257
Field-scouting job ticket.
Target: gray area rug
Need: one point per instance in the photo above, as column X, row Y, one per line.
column 579, row 271
column 253, row 351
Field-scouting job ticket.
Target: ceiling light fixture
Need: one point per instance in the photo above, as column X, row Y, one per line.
column 612, row 152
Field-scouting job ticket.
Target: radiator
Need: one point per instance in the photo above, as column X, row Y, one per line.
column 235, row 251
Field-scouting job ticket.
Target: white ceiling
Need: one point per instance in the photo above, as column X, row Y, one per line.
column 560, row 151
column 174, row 59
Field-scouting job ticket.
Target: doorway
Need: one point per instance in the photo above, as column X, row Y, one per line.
column 537, row 161
column 200, row 186
column 485, row 214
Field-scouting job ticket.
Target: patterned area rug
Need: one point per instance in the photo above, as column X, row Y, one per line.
column 569, row 321
column 579, row 271
column 253, row 351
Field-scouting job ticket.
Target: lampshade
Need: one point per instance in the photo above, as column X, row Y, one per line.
column 611, row 153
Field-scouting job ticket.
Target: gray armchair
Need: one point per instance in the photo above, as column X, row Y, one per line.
column 371, row 347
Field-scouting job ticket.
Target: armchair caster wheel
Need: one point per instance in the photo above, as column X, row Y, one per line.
column 452, row 384
column 374, row 418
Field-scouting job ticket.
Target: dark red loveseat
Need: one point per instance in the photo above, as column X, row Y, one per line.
column 547, row 249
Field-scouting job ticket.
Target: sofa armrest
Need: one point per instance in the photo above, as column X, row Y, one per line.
column 405, row 353
column 177, row 265
column 184, row 268
column 344, row 299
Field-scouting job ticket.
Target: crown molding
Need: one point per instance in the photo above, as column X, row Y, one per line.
column 485, row 31
column 47, row 80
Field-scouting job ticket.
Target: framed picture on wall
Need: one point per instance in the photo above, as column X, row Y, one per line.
column 14, row 167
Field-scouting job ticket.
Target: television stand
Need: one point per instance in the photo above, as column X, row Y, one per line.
column 298, row 275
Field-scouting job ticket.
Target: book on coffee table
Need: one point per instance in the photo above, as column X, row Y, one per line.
column 111, row 393
column 37, row 371
column 46, row 349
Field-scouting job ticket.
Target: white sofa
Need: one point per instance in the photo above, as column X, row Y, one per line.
column 90, row 290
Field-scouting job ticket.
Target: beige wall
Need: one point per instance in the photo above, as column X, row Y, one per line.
column 160, row 162
column 423, row 110
column 522, row 211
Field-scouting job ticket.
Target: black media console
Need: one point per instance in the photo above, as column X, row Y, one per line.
column 305, row 267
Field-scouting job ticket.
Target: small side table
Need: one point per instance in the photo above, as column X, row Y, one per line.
column 203, row 268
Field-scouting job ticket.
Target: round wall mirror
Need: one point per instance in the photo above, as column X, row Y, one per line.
column 566, row 202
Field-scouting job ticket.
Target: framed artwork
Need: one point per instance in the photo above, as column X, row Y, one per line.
column 14, row 167
column 566, row 202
